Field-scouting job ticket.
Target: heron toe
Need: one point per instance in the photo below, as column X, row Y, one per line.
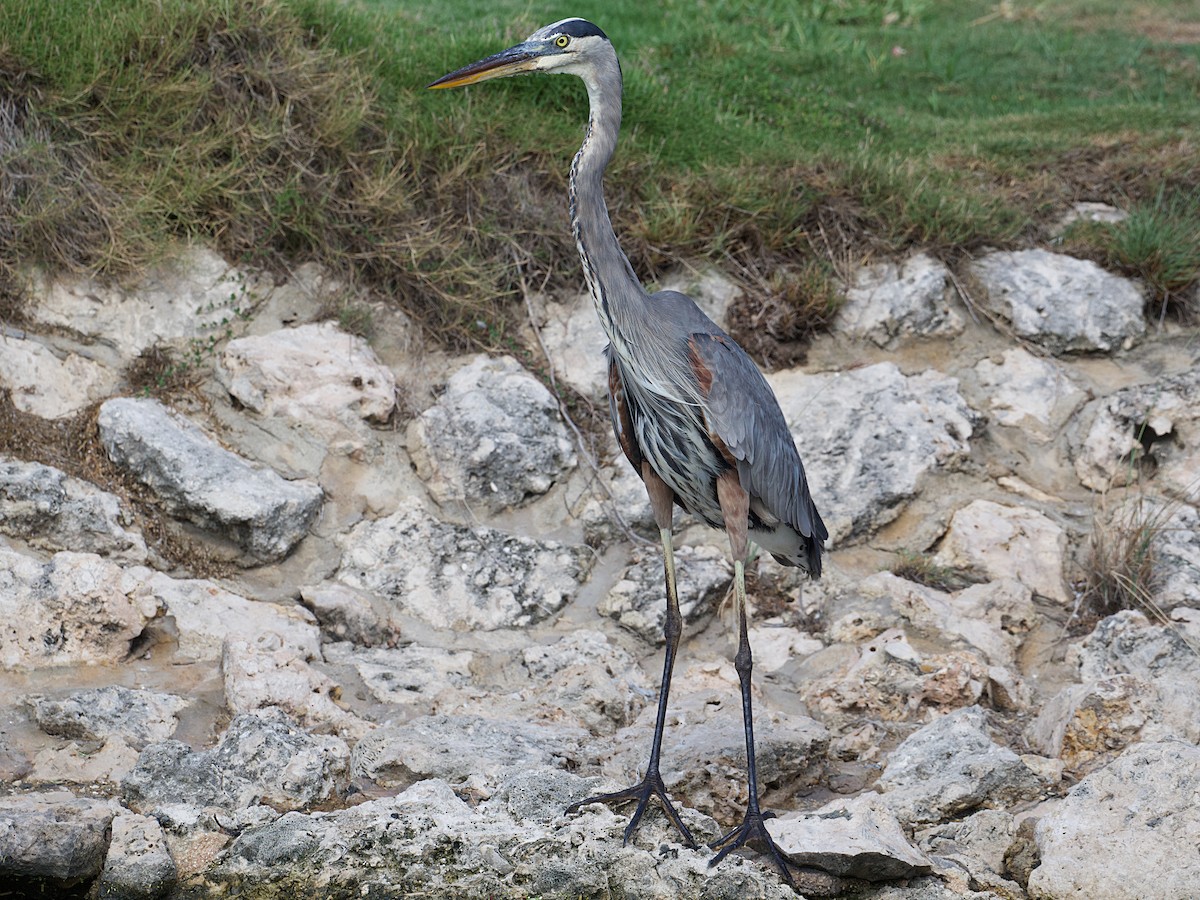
column 650, row 786
column 753, row 829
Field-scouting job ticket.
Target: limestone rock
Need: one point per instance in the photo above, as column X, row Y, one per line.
column 313, row 374
column 204, row 615
column 54, row 836
column 706, row 745
column 1127, row 831
column 83, row 762
column 1140, row 682
column 347, row 614
column 263, row 671
column 460, row 578
column 855, row 837
column 885, row 677
column 428, row 841
column 973, row 852
column 951, row 767
column 596, row 682
column 886, row 301
column 47, row 508
column 139, row 717
column 48, row 383
column 493, row 439
column 846, row 426
column 411, row 676
column 1026, row 392
column 1177, row 555
column 1158, row 422
column 638, row 601
column 190, row 298
column 138, row 865
column 263, row 757
column 260, row 512
column 1087, row 725
column 74, row 609
column 992, row 617
column 1008, row 542
column 1062, row 303
column 574, row 341
column 462, row 750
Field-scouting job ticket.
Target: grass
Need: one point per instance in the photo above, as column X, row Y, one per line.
column 1158, row 242
column 775, row 137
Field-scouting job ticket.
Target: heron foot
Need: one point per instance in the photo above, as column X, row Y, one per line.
column 650, row 786
column 753, row 828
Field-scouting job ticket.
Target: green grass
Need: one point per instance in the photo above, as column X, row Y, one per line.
column 771, row 134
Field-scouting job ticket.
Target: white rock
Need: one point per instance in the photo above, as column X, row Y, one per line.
column 1090, row 211
column 494, row 437
column 867, row 437
column 1025, row 392
column 138, row 717
column 1086, row 725
column 54, row 836
column 854, row 837
column 461, row 749
column 83, row 763
column 575, row 342
column 264, row 671
column 206, row 614
column 256, row 509
column 1140, row 682
column 193, row 297
column 992, row 617
column 138, row 864
column 1159, row 420
column 885, row 301
column 48, row 509
column 892, row 683
column 638, row 601
column 952, row 766
column 1137, row 815
column 411, row 676
column 1063, row 303
column 314, row 374
column 75, row 609
column 1007, row 542
column 50, row 384
column 347, row 614
column 263, row 757
column 775, row 645
column 460, row 578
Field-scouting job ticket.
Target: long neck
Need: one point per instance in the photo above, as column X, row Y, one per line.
column 610, row 277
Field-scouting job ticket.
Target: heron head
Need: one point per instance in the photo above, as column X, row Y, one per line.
column 561, row 47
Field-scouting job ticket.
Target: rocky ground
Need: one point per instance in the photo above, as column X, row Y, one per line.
column 294, row 638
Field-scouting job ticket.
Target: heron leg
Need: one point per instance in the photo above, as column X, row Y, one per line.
column 735, row 506
column 652, row 784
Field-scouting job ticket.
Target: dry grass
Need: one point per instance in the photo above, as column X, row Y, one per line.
column 921, row 568
column 1120, row 564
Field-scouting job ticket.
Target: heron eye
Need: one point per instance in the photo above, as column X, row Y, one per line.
column 561, row 41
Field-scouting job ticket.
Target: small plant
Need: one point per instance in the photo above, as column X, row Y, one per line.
column 1119, row 564
column 921, row 568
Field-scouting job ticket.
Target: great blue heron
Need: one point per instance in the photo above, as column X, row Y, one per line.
column 692, row 412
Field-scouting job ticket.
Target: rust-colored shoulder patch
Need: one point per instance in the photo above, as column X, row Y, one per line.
column 622, row 421
column 704, row 375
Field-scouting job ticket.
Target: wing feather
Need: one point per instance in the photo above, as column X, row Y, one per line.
column 743, row 415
